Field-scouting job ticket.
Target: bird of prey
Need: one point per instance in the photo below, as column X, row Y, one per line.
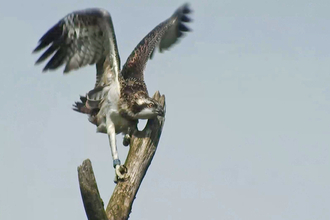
column 120, row 97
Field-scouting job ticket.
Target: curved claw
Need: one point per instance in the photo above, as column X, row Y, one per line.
column 126, row 140
column 120, row 171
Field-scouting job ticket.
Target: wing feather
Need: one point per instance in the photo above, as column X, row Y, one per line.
column 163, row 36
column 82, row 38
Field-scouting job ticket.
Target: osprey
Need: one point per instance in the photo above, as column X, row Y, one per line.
column 120, row 97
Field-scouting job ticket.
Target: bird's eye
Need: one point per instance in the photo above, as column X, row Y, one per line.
column 150, row 105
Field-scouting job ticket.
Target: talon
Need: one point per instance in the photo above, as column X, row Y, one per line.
column 126, row 140
column 121, row 171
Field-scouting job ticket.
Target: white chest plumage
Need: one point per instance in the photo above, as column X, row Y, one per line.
column 110, row 108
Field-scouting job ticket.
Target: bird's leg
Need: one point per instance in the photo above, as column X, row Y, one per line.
column 120, row 170
column 126, row 140
column 129, row 134
column 127, row 137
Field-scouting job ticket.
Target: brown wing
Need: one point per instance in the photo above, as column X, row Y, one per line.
column 81, row 38
column 163, row 36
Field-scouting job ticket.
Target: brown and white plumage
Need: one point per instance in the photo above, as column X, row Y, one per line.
column 82, row 38
column 162, row 36
column 119, row 98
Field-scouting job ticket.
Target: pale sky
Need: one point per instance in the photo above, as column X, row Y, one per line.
column 248, row 113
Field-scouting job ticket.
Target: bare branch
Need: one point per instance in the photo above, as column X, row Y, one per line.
column 93, row 203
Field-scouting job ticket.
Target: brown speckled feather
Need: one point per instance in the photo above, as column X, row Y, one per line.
column 163, row 36
column 132, row 89
column 82, row 38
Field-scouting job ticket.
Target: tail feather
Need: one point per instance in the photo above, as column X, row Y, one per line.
column 84, row 108
column 80, row 107
column 83, row 99
column 89, row 104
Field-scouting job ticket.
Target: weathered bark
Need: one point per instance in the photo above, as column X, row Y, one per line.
column 93, row 203
column 142, row 149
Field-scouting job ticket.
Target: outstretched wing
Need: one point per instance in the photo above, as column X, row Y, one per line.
column 81, row 38
column 163, row 36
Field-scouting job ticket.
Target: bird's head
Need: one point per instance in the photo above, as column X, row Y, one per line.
column 147, row 108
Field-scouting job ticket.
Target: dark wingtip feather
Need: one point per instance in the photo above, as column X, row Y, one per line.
column 184, row 18
column 57, row 60
column 42, row 45
column 50, row 36
column 186, row 9
column 183, row 28
column 54, row 37
column 47, row 53
column 38, row 48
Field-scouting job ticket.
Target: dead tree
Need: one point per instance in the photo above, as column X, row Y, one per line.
column 142, row 149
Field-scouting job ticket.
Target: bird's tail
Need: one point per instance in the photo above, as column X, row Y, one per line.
column 90, row 104
column 81, row 106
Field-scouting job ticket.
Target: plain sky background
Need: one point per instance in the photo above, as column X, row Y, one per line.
column 248, row 113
